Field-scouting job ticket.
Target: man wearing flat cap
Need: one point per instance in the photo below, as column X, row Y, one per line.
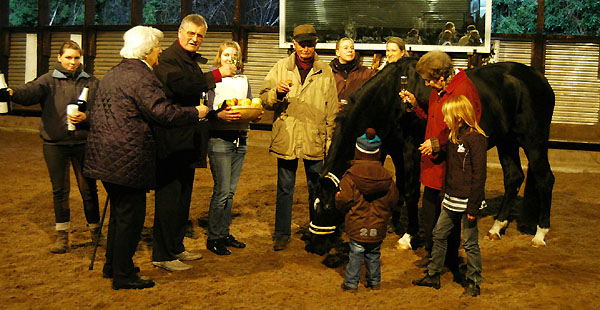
column 301, row 90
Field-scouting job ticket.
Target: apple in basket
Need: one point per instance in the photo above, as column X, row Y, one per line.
column 246, row 102
column 256, row 103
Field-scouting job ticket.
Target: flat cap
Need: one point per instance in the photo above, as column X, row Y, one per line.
column 305, row 33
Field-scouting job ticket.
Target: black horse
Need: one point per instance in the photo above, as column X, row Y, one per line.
column 517, row 105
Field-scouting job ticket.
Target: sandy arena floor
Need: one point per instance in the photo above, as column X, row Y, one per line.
column 562, row 275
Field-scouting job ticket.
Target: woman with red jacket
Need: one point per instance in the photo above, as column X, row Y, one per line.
column 438, row 72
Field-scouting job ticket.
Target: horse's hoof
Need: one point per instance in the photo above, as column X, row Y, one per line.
column 404, row 242
column 493, row 236
column 539, row 238
column 494, row 233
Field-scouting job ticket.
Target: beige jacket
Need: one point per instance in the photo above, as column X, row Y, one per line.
column 304, row 120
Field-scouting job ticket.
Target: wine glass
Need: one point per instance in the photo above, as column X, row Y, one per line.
column 403, row 88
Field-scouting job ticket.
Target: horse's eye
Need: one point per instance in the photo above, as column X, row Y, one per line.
column 317, row 201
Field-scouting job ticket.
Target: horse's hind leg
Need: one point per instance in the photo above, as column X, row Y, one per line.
column 537, row 198
column 513, row 178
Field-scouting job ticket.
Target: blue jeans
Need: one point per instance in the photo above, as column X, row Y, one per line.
column 58, row 158
column 447, row 220
column 226, row 159
column 371, row 253
column 286, row 181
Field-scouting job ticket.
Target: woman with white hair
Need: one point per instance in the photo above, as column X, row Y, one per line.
column 121, row 148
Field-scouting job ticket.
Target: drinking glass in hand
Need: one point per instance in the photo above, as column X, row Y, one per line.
column 403, row 88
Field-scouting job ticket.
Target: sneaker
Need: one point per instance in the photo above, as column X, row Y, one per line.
column 217, row 246
column 230, row 241
column 430, row 281
column 374, row 287
column 172, row 265
column 347, row 288
column 471, row 289
column 281, row 243
column 187, row 256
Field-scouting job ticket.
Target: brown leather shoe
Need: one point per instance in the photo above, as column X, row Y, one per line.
column 281, row 243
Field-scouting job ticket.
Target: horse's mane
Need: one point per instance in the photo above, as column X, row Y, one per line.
column 376, row 104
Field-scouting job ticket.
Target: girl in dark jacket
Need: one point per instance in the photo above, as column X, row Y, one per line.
column 463, row 192
column 54, row 91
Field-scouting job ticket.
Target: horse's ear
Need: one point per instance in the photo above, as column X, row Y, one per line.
column 328, row 184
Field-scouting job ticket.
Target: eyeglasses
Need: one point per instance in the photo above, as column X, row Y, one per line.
column 192, row 34
column 304, row 44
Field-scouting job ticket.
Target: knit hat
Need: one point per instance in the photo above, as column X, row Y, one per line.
column 305, row 33
column 367, row 146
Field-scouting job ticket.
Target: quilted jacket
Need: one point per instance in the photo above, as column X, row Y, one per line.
column 121, row 148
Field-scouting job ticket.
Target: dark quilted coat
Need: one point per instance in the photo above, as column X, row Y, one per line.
column 121, row 148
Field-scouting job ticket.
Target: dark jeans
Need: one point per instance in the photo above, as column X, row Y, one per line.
column 448, row 221
column 431, row 208
column 226, row 160
column 371, row 252
column 57, row 159
column 127, row 214
column 286, row 181
column 175, row 180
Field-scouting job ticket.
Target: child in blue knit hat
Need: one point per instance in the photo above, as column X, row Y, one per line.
column 367, row 195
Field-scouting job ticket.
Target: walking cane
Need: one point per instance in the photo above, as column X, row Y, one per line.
column 98, row 236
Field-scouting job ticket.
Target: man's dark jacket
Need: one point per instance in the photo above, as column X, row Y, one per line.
column 184, row 82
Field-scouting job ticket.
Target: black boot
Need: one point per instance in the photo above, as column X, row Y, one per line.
column 232, row 242
column 430, row 281
column 217, row 246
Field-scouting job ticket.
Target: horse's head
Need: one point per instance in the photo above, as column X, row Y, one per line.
column 325, row 217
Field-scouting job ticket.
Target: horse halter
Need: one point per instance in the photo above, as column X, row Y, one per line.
column 324, row 230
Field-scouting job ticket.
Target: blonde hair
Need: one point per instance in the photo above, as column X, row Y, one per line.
column 397, row 41
column 225, row 45
column 457, row 111
column 337, row 44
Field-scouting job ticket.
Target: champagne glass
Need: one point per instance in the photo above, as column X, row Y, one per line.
column 403, row 88
column 404, row 83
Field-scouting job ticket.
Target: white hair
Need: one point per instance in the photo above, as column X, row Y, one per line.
column 139, row 41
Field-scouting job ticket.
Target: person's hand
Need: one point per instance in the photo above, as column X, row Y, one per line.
column 471, row 217
column 426, row 147
column 408, row 97
column 283, row 87
column 227, row 70
column 229, row 115
column 77, row 118
column 202, row 111
column 10, row 91
column 258, row 118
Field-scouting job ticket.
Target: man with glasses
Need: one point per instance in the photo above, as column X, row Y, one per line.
column 180, row 149
column 301, row 90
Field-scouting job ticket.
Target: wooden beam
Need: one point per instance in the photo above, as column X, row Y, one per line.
column 88, row 40
column 186, row 8
column 538, row 52
column 137, row 9
column 4, row 37
column 43, row 37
